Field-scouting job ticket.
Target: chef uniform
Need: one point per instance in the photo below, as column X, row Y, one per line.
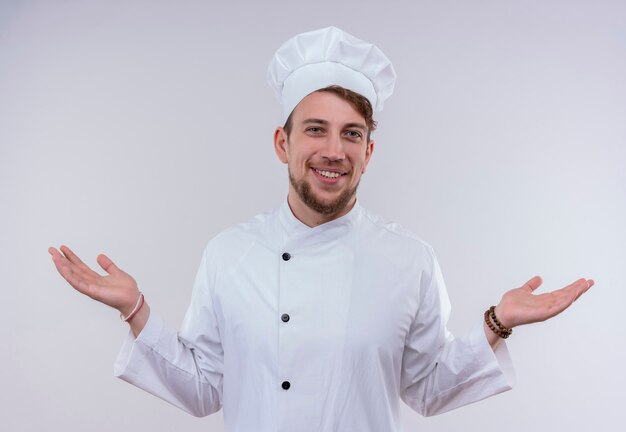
column 298, row 328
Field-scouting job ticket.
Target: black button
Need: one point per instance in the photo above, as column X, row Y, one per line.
column 286, row 256
column 285, row 317
column 286, row 385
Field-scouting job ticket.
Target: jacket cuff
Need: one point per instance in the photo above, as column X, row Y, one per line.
column 500, row 359
column 130, row 358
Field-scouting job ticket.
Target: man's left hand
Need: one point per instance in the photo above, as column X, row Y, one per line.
column 521, row 306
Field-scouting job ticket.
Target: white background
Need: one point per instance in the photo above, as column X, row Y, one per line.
column 142, row 128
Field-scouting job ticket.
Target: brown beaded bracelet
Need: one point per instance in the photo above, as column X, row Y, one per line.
column 498, row 328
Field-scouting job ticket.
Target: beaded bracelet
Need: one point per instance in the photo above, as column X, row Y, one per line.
column 138, row 306
column 498, row 328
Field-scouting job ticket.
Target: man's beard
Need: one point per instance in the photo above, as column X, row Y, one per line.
column 303, row 189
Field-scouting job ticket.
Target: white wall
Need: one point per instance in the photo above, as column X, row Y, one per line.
column 142, row 128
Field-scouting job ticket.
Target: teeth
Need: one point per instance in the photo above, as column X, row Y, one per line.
column 328, row 174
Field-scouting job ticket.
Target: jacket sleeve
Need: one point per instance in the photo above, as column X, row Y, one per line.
column 186, row 368
column 441, row 372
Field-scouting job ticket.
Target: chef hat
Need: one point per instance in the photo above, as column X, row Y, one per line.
column 313, row 60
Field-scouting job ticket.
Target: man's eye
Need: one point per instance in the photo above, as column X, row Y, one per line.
column 353, row 134
column 314, row 129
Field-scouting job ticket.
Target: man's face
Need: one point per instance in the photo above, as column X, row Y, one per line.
column 326, row 152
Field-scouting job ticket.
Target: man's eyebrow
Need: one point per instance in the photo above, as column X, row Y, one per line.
column 355, row 125
column 315, row 121
column 325, row 123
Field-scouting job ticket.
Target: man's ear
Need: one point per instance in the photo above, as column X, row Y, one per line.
column 368, row 154
column 280, row 144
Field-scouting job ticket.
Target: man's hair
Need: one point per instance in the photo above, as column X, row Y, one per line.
column 360, row 103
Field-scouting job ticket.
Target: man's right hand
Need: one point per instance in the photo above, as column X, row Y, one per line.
column 117, row 289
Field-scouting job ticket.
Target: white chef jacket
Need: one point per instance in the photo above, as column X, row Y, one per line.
column 292, row 328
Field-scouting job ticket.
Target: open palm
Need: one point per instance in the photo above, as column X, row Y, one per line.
column 521, row 306
column 117, row 289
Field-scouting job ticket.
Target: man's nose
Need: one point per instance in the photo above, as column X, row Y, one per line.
column 333, row 148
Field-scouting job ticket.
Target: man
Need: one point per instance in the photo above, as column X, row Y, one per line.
column 318, row 316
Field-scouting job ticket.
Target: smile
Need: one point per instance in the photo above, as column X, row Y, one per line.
column 328, row 176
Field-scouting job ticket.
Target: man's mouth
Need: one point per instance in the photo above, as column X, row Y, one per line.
column 328, row 174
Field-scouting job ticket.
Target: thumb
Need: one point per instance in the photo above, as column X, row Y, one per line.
column 107, row 265
column 533, row 283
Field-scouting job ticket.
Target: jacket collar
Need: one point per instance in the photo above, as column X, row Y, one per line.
column 294, row 230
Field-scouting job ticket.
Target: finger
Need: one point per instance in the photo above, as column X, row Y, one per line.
column 579, row 286
column 61, row 261
column 63, row 264
column 75, row 260
column 534, row 283
column 56, row 255
column 72, row 277
column 107, row 265
column 569, row 294
column 585, row 287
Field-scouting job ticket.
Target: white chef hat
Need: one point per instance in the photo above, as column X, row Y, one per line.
column 313, row 60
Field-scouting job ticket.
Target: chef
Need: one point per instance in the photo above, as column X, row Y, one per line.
column 319, row 315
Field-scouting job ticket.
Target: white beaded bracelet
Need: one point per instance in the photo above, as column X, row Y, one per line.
column 138, row 306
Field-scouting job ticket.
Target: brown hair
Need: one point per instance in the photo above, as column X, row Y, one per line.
column 360, row 103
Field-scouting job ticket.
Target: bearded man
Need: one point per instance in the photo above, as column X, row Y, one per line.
column 318, row 316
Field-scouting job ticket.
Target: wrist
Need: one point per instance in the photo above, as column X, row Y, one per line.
column 126, row 314
column 503, row 317
column 139, row 321
column 495, row 324
column 493, row 339
column 128, row 303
